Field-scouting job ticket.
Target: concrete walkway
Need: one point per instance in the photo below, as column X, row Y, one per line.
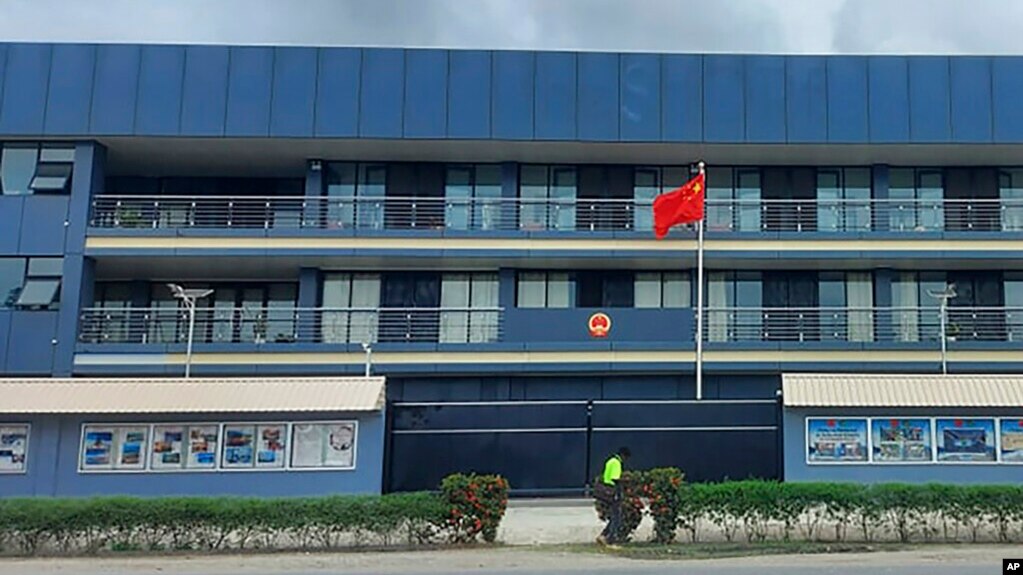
column 555, row 521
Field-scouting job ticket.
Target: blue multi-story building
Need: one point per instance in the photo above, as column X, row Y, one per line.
column 456, row 218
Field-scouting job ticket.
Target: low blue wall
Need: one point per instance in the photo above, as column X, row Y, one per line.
column 571, row 325
column 54, row 444
column 797, row 469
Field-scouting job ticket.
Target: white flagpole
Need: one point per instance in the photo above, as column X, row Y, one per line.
column 699, row 291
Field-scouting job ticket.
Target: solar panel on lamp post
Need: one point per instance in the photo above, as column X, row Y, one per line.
column 188, row 297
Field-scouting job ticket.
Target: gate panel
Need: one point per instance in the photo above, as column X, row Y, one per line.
column 539, row 446
column 708, row 440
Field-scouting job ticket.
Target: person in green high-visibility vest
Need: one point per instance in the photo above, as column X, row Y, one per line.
column 609, row 489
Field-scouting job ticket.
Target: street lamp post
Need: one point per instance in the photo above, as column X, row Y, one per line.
column 188, row 297
column 943, row 296
column 369, row 356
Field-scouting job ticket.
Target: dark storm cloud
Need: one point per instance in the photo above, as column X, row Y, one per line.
column 781, row 26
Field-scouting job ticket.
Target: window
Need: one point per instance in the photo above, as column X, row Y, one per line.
column 324, row 445
column 662, row 290
column 547, row 196
column 916, row 311
column 474, row 297
column 1010, row 191
column 41, row 287
column 12, row 276
column 733, row 199
column 544, row 290
column 355, row 195
column 28, row 169
column 472, row 197
column 350, row 303
column 843, row 199
column 648, row 184
column 727, row 291
column 916, row 200
column 13, row 448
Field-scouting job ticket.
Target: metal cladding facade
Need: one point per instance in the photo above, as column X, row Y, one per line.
column 467, row 214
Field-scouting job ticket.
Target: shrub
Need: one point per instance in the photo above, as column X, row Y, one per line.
column 477, row 504
column 663, row 489
column 632, row 483
column 87, row 526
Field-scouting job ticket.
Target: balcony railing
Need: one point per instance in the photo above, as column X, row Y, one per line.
column 285, row 325
column 862, row 325
column 556, row 215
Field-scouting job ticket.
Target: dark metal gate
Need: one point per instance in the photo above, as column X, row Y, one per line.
column 552, row 447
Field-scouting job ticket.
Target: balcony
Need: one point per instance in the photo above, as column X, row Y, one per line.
column 891, row 327
column 169, row 215
column 233, row 326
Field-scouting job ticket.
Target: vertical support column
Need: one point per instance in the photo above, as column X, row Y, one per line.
column 509, row 193
column 881, row 206
column 506, row 301
column 885, row 325
column 308, row 299
column 312, row 215
column 77, row 283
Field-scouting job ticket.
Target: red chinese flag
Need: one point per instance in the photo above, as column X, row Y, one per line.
column 680, row 206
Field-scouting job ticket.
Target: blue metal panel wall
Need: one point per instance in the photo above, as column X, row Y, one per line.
column 796, row 468
column 204, row 98
column 806, row 91
column 67, row 104
column 294, row 92
column 380, row 108
column 971, row 99
column 765, row 99
column 599, row 106
column 426, row 82
column 889, row 99
column 30, row 352
column 724, row 107
column 929, row 99
column 469, row 95
column 337, row 92
column 42, row 226
column 158, row 111
column 53, row 460
column 1007, row 85
column 682, row 98
column 5, row 331
column 640, row 112
column 3, row 71
column 249, row 88
column 10, row 223
column 847, row 99
column 556, row 87
column 26, row 80
column 115, row 90
column 514, row 77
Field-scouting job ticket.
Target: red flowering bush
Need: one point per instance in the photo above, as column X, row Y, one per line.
column 476, row 506
column 664, row 501
column 632, row 503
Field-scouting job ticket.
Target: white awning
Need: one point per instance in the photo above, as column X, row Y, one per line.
column 196, row 395
column 890, row 390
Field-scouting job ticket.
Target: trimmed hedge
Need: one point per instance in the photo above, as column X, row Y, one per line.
column 86, row 526
column 762, row 510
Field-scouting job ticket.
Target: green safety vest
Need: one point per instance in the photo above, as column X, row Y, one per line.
column 612, row 470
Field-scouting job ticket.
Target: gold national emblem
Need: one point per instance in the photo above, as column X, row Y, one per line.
column 599, row 324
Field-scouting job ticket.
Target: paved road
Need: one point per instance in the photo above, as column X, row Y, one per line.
column 931, row 561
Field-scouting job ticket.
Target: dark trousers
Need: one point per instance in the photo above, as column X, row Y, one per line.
column 612, row 532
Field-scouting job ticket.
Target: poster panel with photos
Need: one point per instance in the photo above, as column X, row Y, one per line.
column 1012, row 440
column 239, row 446
column 168, row 447
column 901, row 440
column 330, row 444
column 270, row 446
column 13, row 448
column 131, row 447
column 966, row 440
column 834, row 440
column 97, row 448
column 203, row 441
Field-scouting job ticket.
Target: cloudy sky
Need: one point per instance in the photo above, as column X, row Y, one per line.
column 774, row 26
